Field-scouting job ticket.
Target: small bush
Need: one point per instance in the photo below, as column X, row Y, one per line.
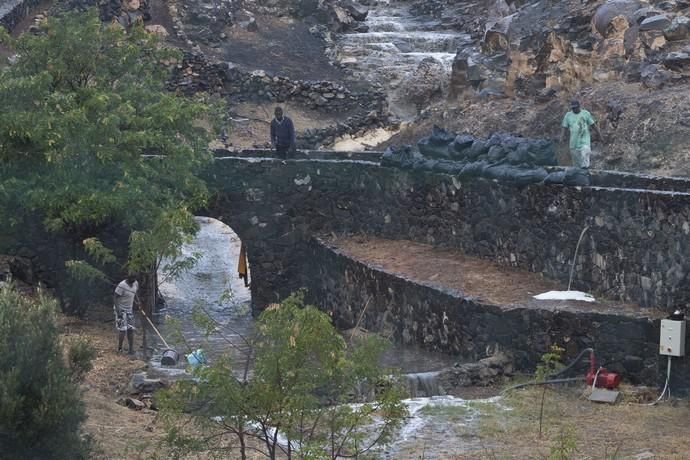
column 80, row 356
column 40, row 409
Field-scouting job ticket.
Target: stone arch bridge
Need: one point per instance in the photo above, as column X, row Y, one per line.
column 635, row 252
column 636, row 248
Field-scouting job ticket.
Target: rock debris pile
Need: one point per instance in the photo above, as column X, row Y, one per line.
column 502, row 156
column 542, row 49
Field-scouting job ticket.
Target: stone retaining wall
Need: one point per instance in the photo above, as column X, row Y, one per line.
column 196, row 73
column 636, row 248
column 445, row 320
column 359, row 111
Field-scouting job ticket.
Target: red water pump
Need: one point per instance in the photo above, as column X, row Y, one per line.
column 605, row 379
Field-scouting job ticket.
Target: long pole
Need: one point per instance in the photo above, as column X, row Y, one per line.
column 155, row 330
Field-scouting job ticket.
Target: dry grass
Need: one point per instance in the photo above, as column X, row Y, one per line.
column 597, row 431
column 119, row 432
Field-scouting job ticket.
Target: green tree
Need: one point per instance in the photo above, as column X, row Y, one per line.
column 297, row 400
column 85, row 121
column 40, row 408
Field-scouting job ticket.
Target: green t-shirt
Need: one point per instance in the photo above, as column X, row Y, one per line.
column 578, row 124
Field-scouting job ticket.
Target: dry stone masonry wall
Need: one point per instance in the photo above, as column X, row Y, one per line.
column 635, row 249
column 448, row 321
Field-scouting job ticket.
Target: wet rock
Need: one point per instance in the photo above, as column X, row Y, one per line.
column 141, row 384
column 678, row 30
column 678, row 60
column 488, row 371
column 356, row 10
column 658, row 22
column 425, row 83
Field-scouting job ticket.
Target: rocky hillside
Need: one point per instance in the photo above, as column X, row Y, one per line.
column 352, row 67
column 628, row 61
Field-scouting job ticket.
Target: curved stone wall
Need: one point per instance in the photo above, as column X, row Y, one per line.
column 355, row 292
column 636, row 248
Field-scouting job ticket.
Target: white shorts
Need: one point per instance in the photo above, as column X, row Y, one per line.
column 124, row 320
column 581, row 156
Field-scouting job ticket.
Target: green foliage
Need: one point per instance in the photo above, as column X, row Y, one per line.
column 551, row 362
column 302, row 384
column 40, row 409
column 80, row 355
column 80, row 107
column 565, row 446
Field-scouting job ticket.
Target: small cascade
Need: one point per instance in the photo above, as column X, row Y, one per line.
column 424, row 384
column 395, row 44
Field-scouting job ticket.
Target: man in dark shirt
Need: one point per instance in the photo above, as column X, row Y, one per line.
column 282, row 134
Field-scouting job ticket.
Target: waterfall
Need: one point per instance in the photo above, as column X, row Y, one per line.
column 424, row 384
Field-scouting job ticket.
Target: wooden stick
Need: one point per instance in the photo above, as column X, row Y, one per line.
column 154, row 328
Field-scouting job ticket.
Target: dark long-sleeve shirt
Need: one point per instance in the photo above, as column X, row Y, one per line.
column 282, row 132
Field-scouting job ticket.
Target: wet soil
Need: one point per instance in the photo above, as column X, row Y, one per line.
column 482, row 279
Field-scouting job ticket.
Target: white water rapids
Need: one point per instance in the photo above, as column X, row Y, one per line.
column 394, row 45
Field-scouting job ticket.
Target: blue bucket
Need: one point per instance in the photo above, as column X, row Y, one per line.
column 196, row 358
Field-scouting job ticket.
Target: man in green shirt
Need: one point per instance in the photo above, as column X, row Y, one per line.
column 577, row 122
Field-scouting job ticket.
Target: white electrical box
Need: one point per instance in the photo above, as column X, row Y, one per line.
column 672, row 340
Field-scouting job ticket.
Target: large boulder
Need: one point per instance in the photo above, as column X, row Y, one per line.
column 424, row 83
column 658, row 22
column 356, row 10
column 605, row 14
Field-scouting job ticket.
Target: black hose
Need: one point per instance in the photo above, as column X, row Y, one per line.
column 572, row 363
column 555, row 374
column 542, row 382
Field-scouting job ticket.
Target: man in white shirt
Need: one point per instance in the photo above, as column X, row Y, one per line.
column 123, row 302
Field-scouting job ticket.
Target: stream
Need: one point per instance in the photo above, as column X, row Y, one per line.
column 213, row 284
column 394, row 45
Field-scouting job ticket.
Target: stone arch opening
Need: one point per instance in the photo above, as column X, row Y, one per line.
column 211, row 286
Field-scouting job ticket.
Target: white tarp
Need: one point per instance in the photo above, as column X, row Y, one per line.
column 566, row 295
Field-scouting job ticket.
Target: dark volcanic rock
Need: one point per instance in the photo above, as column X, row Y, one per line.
column 356, row 10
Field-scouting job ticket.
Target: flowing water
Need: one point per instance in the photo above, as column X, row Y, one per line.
column 213, row 285
column 394, row 45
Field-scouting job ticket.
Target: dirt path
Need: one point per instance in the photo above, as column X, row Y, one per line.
column 119, row 432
